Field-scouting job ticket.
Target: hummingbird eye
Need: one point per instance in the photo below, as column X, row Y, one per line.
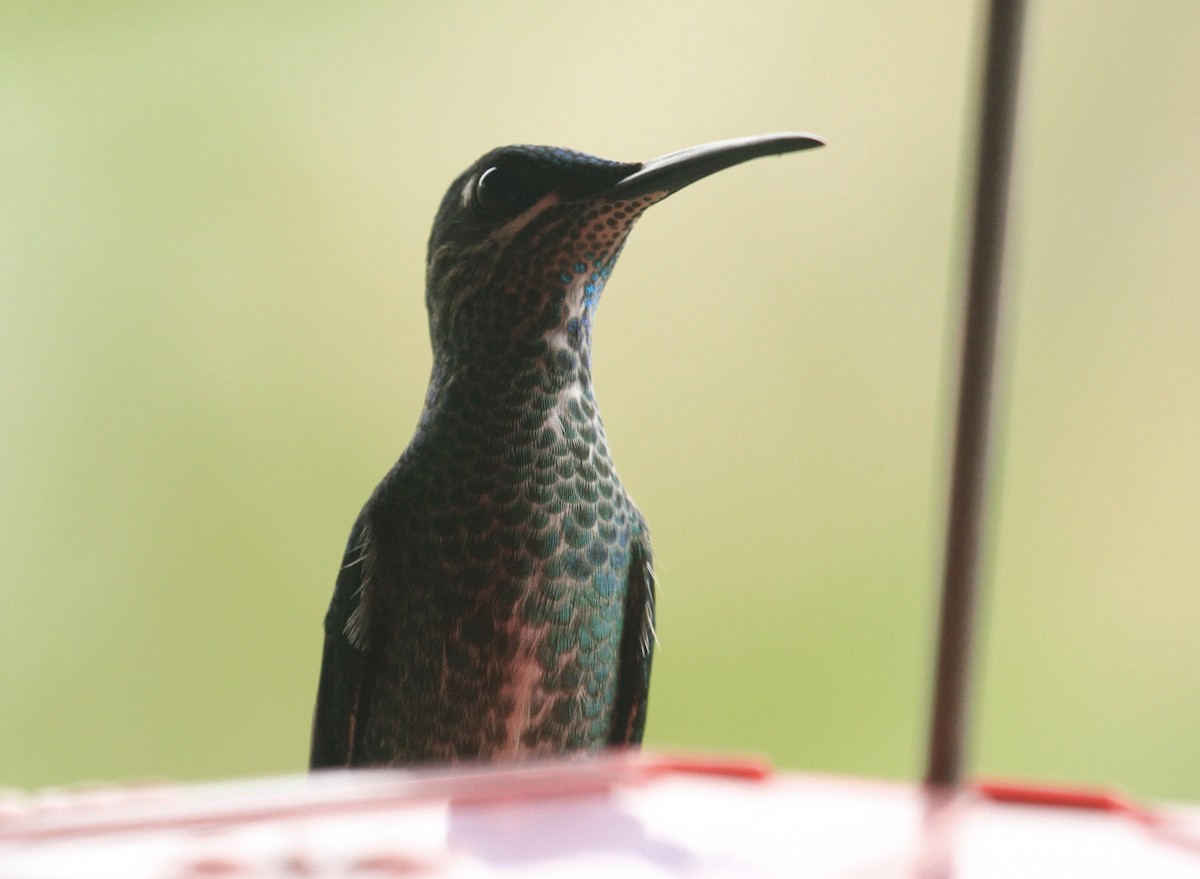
column 486, row 198
column 502, row 190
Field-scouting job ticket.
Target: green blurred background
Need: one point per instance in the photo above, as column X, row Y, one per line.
column 213, row 344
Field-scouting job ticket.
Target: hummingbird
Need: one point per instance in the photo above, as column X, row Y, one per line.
column 496, row 599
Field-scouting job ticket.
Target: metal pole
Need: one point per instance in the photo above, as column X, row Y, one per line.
column 948, row 725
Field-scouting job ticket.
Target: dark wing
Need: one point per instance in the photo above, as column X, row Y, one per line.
column 637, row 647
column 340, row 695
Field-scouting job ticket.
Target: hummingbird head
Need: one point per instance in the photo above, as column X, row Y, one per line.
column 526, row 238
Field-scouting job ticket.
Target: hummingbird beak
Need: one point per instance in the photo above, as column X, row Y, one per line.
column 672, row 172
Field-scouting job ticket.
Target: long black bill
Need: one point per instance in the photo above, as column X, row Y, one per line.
column 672, row 172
